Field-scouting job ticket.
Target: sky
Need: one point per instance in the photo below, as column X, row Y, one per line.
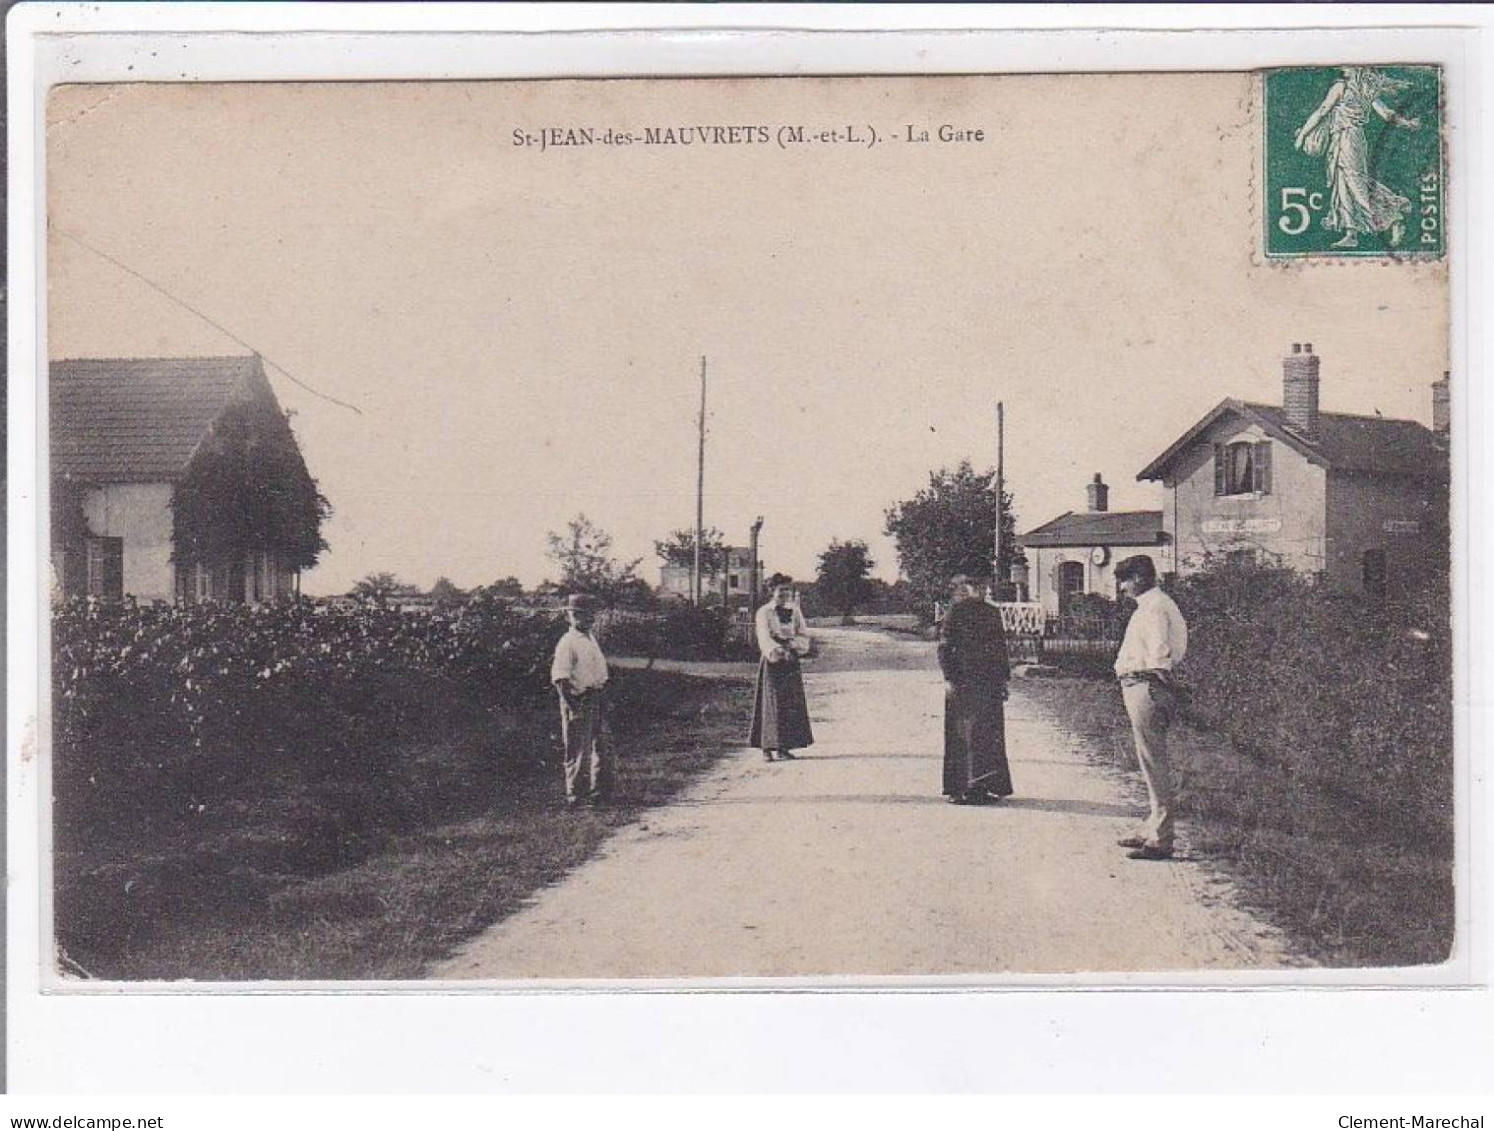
column 522, row 331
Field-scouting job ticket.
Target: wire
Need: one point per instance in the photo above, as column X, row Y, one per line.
column 222, row 329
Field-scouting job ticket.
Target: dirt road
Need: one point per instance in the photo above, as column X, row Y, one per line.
column 848, row 861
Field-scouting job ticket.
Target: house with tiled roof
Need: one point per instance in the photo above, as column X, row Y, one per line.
column 1361, row 501
column 1076, row 552
column 176, row 479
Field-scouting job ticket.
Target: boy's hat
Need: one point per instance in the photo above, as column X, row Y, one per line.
column 581, row 602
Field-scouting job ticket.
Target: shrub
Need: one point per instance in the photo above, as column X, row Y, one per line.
column 1092, row 616
column 142, row 691
column 677, row 632
column 1350, row 696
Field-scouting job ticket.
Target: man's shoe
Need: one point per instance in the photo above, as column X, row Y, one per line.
column 1132, row 842
column 1150, row 852
column 787, row 755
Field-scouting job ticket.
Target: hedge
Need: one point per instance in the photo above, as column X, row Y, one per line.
column 677, row 632
column 1351, row 696
column 144, row 690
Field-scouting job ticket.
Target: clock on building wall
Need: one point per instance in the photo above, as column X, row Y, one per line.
column 1099, row 555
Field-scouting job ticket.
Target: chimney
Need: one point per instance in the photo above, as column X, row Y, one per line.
column 1299, row 390
column 1441, row 407
column 1099, row 494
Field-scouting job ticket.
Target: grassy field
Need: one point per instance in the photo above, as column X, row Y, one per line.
column 372, row 878
column 1338, row 874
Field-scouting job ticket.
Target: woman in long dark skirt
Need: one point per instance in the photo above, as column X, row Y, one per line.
column 972, row 654
column 780, row 714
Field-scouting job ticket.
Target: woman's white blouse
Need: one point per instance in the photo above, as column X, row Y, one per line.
column 771, row 635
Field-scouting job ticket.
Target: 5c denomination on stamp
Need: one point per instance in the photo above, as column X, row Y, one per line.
column 1353, row 162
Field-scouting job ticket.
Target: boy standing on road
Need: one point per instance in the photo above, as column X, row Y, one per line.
column 579, row 673
column 1156, row 640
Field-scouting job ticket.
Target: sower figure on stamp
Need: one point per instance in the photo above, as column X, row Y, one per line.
column 1357, row 202
column 579, row 673
column 973, row 657
column 1154, row 644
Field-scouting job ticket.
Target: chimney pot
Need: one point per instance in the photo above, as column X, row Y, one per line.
column 1296, row 347
column 1307, row 347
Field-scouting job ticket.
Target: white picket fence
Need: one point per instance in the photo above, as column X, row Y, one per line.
column 1022, row 618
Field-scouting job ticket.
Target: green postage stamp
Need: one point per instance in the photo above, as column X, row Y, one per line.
column 1354, row 161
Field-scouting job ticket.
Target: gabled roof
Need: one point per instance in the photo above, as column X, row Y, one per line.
column 1366, row 444
column 1098, row 528
column 138, row 420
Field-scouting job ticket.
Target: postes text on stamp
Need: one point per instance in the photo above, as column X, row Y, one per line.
column 1353, row 162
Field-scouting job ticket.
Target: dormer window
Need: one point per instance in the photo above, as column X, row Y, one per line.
column 1242, row 468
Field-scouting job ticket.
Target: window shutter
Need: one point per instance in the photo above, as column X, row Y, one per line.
column 113, row 567
column 1219, row 458
column 1263, row 466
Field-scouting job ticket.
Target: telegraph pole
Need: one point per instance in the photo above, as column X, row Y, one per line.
column 996, row 579
column 755, row 573
column 697, row 590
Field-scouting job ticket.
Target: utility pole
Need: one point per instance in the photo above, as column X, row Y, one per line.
column 996, row 578
column 755, row 572
column 697, row 590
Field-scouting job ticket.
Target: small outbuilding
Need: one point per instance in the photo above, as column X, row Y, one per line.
column 1075, row 553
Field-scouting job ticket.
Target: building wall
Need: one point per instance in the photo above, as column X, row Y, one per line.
column 1044, row 562
column 1287, row 524
column 258, row 578
column 1406, row 519
column 267, row 578
column 674, row 581
column 140, row 515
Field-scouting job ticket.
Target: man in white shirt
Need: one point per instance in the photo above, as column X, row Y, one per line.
column 1155, row 642
column 579, row 674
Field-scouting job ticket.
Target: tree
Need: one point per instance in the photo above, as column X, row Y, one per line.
column 381, row 588
column 843, row 578
column 679, row 550
column 584, row 555
column 948, row 528
column 509, row 588
column 445, row 592
column 247, row 490
column 635, row 593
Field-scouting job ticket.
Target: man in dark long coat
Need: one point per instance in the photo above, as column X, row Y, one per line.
column 972, row 655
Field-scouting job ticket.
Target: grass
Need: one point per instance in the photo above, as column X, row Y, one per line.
column 376, row 875
column 1339, row 875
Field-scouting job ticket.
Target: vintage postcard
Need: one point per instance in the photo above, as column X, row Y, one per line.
column 955, row 528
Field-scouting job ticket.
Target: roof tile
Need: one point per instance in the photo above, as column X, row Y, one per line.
column 138, row 420
column 1372, row 444
column 1098, row 528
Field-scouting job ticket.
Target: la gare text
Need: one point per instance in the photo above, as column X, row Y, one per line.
column 780, row 136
